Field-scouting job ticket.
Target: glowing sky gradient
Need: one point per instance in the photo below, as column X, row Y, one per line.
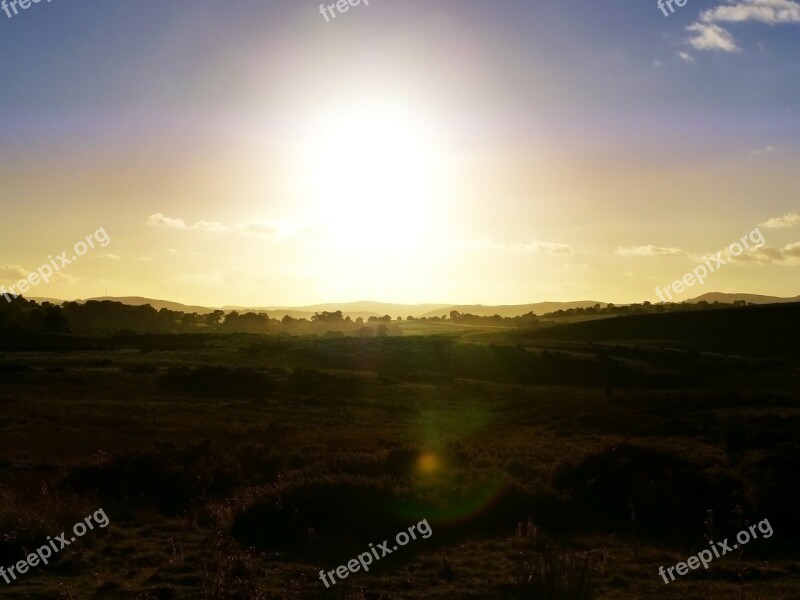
column 557, row 150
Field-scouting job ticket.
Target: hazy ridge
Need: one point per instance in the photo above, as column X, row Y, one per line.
column 367, row 308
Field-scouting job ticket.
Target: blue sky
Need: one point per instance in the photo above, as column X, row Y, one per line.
column 544, row 140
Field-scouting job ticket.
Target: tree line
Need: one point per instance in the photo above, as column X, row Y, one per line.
column 23, row 316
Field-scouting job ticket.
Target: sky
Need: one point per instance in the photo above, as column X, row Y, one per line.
column 456, row 151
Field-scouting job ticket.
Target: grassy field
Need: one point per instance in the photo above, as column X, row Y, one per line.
column 548, row 465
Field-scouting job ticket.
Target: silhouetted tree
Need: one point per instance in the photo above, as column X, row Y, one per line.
column 215, row 318
column 54, row 321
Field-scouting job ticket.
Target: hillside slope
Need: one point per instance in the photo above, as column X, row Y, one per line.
column 769, row 330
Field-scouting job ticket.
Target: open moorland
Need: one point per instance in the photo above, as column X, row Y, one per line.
column 562, row 461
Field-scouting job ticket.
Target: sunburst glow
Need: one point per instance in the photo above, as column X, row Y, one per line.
column 372, row 175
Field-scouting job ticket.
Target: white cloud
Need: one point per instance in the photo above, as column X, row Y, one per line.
column 792, row 250
column 281, row 229
column 789, row 255
column 650, row 250
column 107, row 256
column 551, row 248
column 788, row 220
column 771, row 12
column 211, row 226
column 686, row 57
column 532, row 247
column 159, row 220
column 709, row 36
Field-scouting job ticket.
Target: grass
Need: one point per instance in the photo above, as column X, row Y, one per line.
column 239, row 466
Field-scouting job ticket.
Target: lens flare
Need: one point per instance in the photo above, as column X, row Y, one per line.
column 428, row 464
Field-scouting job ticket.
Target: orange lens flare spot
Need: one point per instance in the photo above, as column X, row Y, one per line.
column 428, row 463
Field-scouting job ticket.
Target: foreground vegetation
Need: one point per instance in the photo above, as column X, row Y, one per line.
column 567, row 462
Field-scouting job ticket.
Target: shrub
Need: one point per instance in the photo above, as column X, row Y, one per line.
column 217, row 382
column 670, row 493
column 167, row 478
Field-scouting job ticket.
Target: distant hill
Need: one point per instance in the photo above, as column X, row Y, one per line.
column 712, row 297
column 42, row 300
column 139, row 301
column 363, row 308
column 366, row 309
column 513, row 310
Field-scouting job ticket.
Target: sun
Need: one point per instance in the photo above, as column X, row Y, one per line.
column 372, row 175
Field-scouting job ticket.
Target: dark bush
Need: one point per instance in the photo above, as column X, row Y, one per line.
column 668, row 493
column 777, row 488
column 169, row 479
column 217, row 382
column 340, row 511
column 310, row 382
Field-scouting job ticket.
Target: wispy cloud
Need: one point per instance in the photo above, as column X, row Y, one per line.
column 257, row 228
column 211, row 226
column 686, row 57
column 788, row 255
column 792, row 250
column 708, row 36
column 650, row 250
column 788, row 220
column 771, row 12
column 276, row 229
column 765, row 150
column 264, row 228
column 12, row 272
column 551, row 248
column 532, row 247
column 159, row 220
